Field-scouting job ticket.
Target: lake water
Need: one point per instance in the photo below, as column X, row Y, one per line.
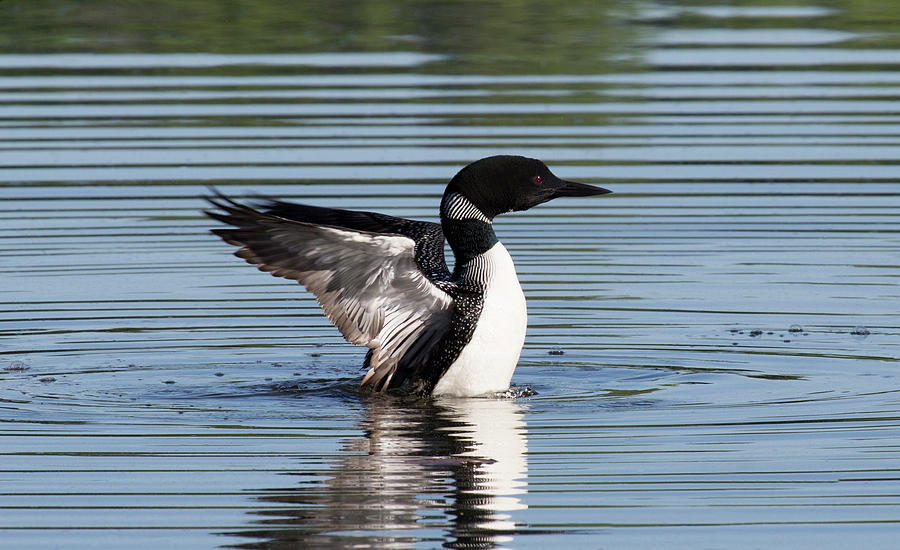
column 713, row 351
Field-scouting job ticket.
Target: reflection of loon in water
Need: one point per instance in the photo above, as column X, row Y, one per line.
column 448, row 472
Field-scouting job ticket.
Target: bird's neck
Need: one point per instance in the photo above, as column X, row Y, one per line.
column 468, row 231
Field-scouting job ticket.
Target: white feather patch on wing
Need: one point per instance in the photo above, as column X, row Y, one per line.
column 368, row 284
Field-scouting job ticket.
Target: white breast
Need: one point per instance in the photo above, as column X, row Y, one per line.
column 487, row 362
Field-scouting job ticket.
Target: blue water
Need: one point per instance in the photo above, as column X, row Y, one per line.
column 712, row 353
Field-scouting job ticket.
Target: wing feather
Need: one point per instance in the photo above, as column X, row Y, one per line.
column 371, row 284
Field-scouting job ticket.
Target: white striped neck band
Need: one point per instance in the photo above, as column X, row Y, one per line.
column 457, row 207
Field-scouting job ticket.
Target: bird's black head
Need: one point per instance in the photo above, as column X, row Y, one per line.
column 506, row 183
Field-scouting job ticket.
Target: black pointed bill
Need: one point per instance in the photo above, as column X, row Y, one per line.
column 575, row 189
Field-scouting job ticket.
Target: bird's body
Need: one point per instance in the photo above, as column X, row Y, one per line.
column 486, row 363
column 384, row 283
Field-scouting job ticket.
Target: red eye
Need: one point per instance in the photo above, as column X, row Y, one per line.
column 538, row 180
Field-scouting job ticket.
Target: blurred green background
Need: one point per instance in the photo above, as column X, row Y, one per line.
column 498, row 37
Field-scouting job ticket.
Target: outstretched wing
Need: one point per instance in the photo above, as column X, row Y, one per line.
column 365, row 270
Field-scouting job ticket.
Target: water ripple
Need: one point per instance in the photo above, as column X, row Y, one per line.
column 711, row 354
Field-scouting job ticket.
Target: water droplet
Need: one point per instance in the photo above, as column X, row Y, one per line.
column 518, row 391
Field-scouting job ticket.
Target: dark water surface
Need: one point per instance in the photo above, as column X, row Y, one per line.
column 715, row 348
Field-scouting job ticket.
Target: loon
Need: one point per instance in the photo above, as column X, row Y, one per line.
column 384, row 282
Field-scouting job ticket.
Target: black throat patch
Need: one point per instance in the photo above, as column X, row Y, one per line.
column 468, row 239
